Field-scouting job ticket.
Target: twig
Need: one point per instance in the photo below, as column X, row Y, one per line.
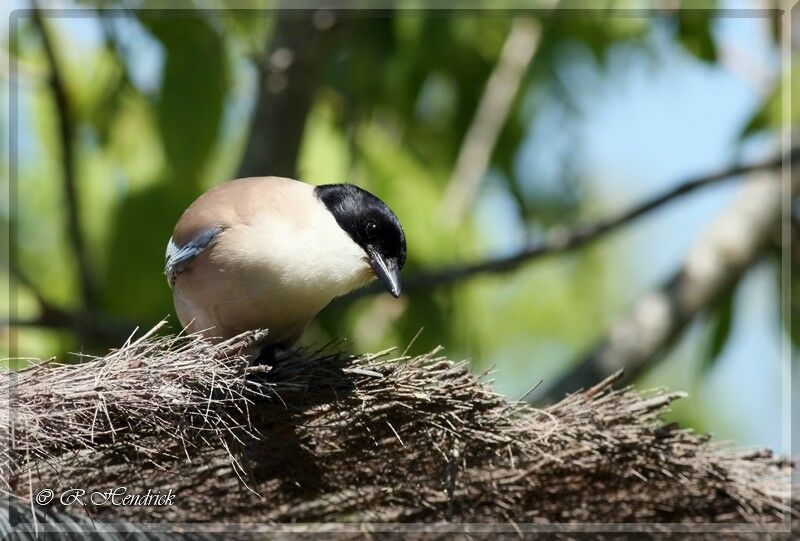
column 66, row 125
column 23, row 279
column 565, row 239
column 93, row 328
column 88, row 324
column 490, row 117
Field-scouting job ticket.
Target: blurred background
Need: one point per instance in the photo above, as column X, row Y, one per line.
column 487, row 132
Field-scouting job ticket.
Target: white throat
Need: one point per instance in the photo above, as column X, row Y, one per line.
column 310, row 257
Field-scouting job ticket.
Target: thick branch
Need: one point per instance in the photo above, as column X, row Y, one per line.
column 718, row 260
column 288, row 80
column 66, row 127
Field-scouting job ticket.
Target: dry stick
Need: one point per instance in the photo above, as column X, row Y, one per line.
column 490, row 117
column 718, row 260
column 66, row 127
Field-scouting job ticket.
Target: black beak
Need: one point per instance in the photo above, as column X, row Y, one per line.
column 386, row 271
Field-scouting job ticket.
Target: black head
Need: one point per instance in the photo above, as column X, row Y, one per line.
column 372, row 225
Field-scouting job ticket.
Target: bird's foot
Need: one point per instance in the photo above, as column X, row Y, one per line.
column 268, row 356
column 273, row 356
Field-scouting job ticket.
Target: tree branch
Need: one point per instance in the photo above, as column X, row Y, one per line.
column 23, row 279
column 288, row 80
column 90, row 326
column 92, row 329
column 490, row 117
column 719, row 259
column 564, row 239
column 66, row 126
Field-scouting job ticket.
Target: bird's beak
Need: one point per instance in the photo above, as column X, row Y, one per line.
column 386, row 271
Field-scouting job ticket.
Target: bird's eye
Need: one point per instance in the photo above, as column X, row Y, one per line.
column 371, row 230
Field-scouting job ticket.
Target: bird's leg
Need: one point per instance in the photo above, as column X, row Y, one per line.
column 268, row 356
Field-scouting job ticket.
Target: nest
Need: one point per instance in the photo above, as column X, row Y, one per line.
column 330, row 437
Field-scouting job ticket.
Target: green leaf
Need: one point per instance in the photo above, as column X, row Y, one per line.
column 770, row 115
column 694, row 33
column 193, row 90
column 791, row 324
column 143, row 223
column 721, row 324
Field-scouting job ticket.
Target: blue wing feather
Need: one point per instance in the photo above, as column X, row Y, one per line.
column 179, row 257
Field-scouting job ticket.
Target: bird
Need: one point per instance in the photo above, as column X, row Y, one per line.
column 271, row 252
